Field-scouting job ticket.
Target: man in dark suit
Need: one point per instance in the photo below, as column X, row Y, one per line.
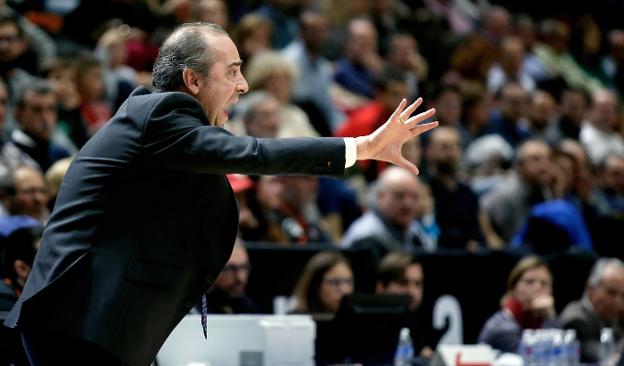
column 145, row 218
column 599, row 308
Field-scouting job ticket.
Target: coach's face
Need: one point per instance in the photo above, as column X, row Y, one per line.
column 224, row 83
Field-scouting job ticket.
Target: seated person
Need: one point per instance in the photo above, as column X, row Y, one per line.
column 401, row 273
column 326, row 278
column 599, row 307
column 17, row 254
column 528, row 304
column 227, row 295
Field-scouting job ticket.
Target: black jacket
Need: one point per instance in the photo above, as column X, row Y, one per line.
column 145, row 220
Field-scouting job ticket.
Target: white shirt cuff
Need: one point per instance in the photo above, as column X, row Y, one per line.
column 350, row 151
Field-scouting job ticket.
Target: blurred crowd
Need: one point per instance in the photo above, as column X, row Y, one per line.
column 529, row 155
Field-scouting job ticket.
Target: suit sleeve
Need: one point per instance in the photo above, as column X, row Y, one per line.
column 177, row 136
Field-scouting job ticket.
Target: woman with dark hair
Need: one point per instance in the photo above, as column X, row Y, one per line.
column 527, row 304
column 325, row 280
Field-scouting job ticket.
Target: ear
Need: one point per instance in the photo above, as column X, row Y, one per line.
column 21, row 269
column 191, row 81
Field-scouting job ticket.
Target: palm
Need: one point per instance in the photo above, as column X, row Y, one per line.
column 386, row 142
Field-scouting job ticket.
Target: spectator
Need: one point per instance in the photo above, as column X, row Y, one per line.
column 508, row 205
column 210, row 11
column 572, row 107
column 297, row 214
column 391, row 222
column 27, row 194
column 283, row 15
column 252, row 35
column 62, row 74
column 35, row 113
column 91, row 87
column 474, row 113
column 457, row 207
column 612, row 62
column 13, row 46
column 11, row 156
column 271, row 73
column 599, row 133
column 512, row 55
column 263, row 118
column 403, row 55
column 448, row 103
column 356, row 71
column 600, row 306
column 54, row 177
column 510, row 122
column 17, row 254
column 227, row 295
column 326, row 278
column 527, row 304
column 401, row 273
column 542, row 111
column 312, row 90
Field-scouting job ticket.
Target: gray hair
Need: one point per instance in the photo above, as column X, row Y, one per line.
column 36, row 86
column 599, row 269
column 185, row 47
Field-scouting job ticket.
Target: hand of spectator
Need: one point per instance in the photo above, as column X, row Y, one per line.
column 385, row 143
column 544, row 305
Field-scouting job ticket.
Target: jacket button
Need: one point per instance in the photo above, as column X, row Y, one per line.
column 189, row 305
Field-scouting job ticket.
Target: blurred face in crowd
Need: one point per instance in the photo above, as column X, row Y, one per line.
column 412, row 150
column 444, row 150
column 91, row 84
column 604, row 110
column 264, row 120
column 613, row 175
column 449, row 108
column 31, row 195
column 220, row 89
column 513, row 102
column 534, row 163
column 37, row 115
column 533, row 283
column 512, row 55
column 11, row 44
column 299, row 191
column 411, row 285
column 279, row 84
column 394, row 92
column 398, row 196
column 542, row 110
column 607, row 297
column 314, row 32
column 337, row 282
column 403, row 48
column 362, row 41
column 233, row 277
column 212, row 11
column 616, row 44
column 64, row 81
column 573, row 105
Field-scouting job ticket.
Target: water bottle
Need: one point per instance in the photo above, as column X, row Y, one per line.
column 557, row 355
column 571, row 348
column 607, row 347
column 527, row 347
column 405, row 350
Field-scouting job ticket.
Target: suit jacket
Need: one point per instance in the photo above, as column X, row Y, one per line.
column 580, row 316
column 145, row 220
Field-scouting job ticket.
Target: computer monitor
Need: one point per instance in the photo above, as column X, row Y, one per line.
column 365, row 329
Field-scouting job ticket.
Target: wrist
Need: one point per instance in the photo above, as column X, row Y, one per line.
column 362, row 144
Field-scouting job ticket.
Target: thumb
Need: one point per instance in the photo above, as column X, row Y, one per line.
column 406, row 164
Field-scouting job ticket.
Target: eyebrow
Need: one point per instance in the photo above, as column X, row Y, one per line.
column 235, row 63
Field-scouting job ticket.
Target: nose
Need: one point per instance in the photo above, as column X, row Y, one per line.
column 243, row 87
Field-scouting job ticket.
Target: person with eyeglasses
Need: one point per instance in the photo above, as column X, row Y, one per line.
column 327, row 277
column 228, row 294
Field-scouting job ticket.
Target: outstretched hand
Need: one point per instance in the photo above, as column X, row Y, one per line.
column 385, row 143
